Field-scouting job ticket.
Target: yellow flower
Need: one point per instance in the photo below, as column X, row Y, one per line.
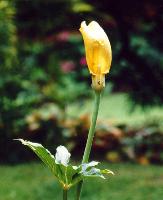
column 97, row 47
column 98, row 52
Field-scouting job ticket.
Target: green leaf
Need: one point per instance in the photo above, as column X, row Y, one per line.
column 88, row 170
column 67, row 175
column 42, row 153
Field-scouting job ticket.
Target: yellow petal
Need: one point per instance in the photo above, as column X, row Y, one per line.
column 97, row 47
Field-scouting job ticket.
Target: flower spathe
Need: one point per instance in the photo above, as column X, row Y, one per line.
column 97, row 47
column 98, row 51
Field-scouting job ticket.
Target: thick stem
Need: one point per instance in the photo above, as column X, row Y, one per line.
column 64, row 194
column 90, row 138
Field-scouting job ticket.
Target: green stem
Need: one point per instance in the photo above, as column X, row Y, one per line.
column 90, row 138
column 92, row 127
column 78, row 190
column 64, row 194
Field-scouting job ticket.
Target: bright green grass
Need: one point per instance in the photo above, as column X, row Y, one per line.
column 118, row 109
column 35, row 182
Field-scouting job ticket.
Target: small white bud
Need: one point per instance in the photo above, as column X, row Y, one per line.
column 62, row 155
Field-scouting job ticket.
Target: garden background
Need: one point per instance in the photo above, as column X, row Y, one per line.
column 46, row 97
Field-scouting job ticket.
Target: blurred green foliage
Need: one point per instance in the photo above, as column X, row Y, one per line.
column 9, row 81
column 134, row 29
column 42, row 60
column 33, row 74
column 8, row 49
